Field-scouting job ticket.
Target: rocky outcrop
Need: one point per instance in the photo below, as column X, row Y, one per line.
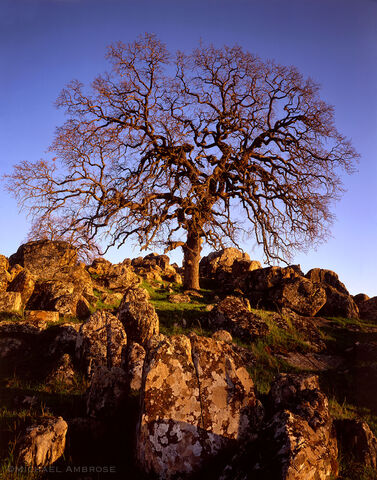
column 43, row 443
column 302, row 429
column 357, row 441
column 220, row 260
column 118, row 278
column 23, row 282
column 33, row 316
column 138, row 316
column 196, row 400
column 4, row 274
column 300, row 295
column 233, row 315
column 179, row 298
column 10, row 302
column 339, row 302
column 154, row 267
column 101, row 341
column 368, row 309
column 63, row 373
column 298, row 441
column 45, row 258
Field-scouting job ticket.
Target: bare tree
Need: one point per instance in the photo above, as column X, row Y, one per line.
column 167, row 148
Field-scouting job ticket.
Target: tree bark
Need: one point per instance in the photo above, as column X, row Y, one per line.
column 191, row 259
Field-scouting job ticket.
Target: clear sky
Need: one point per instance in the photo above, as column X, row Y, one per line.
column 46, row 43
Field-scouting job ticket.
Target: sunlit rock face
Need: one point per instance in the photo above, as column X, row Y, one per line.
column 197, row 399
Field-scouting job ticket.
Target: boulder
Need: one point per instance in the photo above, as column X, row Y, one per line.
column 196, row 399
column 118, row 278
column 23, row 282
column 138, row 316
column 302, row 429
column 45, row 258
column 220, row 260
column 5, row 276
column 156, row 268
column 233, row 315
column 101, row 341
column 339, row 302
column 368, row 309
column 10, row 302
column 108, row 388
column 300, row 295
column 64, row 339
column 43, row 443
column 360, row 298
column 357, row 441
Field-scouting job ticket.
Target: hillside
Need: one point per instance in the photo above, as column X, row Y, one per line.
column 114, row 371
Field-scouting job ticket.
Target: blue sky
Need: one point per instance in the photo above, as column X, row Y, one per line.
column 46, row 43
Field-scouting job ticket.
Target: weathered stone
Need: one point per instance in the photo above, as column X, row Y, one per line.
column 24, row 283
column 10, row 302
column 119, row 277
column 368, row 309
column 64, row 340
column 338, row 300
column 233, row 315
column 222, row 336
column 299, row 295
column 21, row 328
column 138, row 316
column 100, row 342
column 4, row 263
column 41, row 316
column 11, row 347
column 5, row 276
column 177, row 298
column 360, row 298
column 196, row 400
column 302, row 429
column 134, row 366
column 45, row 258
column 43, row 443
column 357, row 441
column 108, row 388
column 223, row 259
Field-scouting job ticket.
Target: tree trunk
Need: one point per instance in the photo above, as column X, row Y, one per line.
column 191, row 259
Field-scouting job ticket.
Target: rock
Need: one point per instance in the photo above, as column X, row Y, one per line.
column 33, row 316
column 63, row 373
column 368, row 309
column 112, row 299
column 101, row 341
column 357, row 441
column 326, row 277
column 299, row 295
column 21, row 328
column 43, row 443
column 301, row 431
column 11, row 347
column 156, row 268
column 360, row 298
column 45, row 258
column 233, row 315
column 222, row 336
column 134, row 366
column 222, row 259
column 24, row 283
column 10, row 302
column 177, row 298
column 119, row 277
column 108, row 388
column 5, row 276
column 64, row 339
column 196, row 400
column 339, row 302
column 138, row 316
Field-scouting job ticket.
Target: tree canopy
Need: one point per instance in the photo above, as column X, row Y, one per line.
column 179, row 149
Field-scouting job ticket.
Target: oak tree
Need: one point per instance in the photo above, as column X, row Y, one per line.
column 190, row 148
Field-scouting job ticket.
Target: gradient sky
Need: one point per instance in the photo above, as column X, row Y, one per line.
column 46, row 43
